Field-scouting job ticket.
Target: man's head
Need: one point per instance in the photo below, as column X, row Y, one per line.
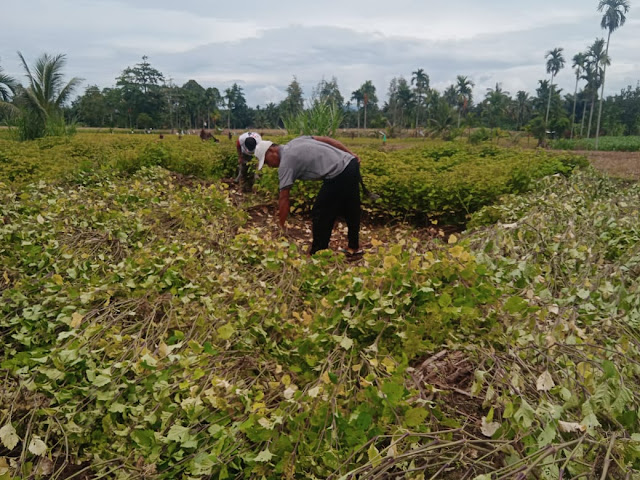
column 267, row 152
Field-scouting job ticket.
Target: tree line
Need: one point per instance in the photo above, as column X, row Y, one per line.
column 143, row 97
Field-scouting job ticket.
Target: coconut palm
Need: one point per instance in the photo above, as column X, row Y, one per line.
column 614, row 17
column 358, row 97
column 496, row 101
column 579, row 63
column 523, row 108
column 464, row 88
column 421, row 80
column 555, row 63
column 47, row 92
column 598, row 59
column 368, row 91
column 7, row 86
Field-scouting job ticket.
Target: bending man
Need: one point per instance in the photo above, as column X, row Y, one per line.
column 318, row 158
column 246, row 146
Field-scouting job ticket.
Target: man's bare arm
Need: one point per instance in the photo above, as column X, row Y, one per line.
column 283, row 206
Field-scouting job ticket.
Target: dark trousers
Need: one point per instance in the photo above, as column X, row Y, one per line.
column 339, row 196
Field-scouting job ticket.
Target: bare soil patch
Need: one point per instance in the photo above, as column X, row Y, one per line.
column 618, row 164
column 374, row 232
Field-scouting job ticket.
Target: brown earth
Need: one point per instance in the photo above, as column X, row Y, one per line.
column 617, row 164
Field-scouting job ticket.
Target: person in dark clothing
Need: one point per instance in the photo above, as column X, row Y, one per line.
column 319, row 158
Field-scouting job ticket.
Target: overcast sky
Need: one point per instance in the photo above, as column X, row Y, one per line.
column 262, row 45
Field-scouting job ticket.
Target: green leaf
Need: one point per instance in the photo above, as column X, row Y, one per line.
column 101, row 381
column 415, row 416
column 374, row 455
column 444, row 300
column 548, row 435
column 393, row 391
column 609, row 369
column 226, row 331
column 144, row 438
column 516, row 305
column 525, row 414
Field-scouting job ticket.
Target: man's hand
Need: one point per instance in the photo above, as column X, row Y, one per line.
column 283, row 206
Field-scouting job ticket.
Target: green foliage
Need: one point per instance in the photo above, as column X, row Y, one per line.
column 54, row 158
column 479, row 135
column 615, row 144
column 323, row 118
column 444, row 183
column 148, row 331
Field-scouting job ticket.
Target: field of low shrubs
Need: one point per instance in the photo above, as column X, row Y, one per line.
column 443, row 181
column 437, row 181
column 53, row 158
column 150, row 331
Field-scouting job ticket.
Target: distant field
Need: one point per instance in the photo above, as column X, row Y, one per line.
column 612, row 144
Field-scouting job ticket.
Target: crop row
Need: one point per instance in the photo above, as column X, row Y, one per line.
column 612, row 144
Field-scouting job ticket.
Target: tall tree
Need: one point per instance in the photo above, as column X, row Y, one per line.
column 464, row 88
column 368, row 96
column 421, row 80
column 141, row 89
column 194, row 98
column 90, row 107
column 579, row 63
column 555, row 63
column 329, row 93
column 212, row 100
column 47, row 92
column 237, row 107
column 358, row 97
column 293, row 104
column 523, row 108
column 598, row 59
column 614, row 17
column 496, row 101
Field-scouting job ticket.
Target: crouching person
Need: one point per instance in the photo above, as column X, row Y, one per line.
column 246, row 146
column 318, row 158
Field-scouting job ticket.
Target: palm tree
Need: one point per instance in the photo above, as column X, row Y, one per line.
column 358, row 97
column 523, row 106
column 613, row 18
column 597, row 57
column 421, row 80
column 496, row 100
column 368, row 91
column 579, row 62
column 47, row 91
column 464, row 87
column 7, row 86
column 555, row 63
column 7, row 90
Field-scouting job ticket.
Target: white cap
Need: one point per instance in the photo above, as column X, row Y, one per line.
column 243, row 139
column 261, row 151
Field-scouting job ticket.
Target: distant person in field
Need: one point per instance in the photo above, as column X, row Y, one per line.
column 246, row 147
column 319, row 158
column 204, row 136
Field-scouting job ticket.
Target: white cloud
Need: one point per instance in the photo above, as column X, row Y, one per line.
column 262, row 47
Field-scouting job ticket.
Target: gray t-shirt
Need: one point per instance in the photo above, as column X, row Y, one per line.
column 304, row 158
